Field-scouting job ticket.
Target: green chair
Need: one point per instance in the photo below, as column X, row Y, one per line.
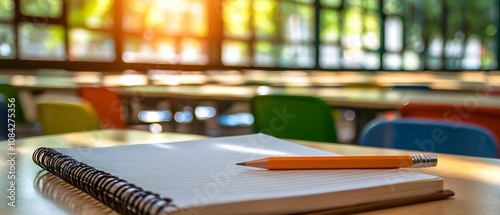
column 63, row 117
column 24, row 128
column 293, row 117
column 10, row 91
column 4, row 133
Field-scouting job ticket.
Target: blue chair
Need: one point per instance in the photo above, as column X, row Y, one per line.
column 293, row 117
column 3, row 118
column 430, row 136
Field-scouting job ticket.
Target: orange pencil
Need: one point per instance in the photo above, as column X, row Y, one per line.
column 343, row 162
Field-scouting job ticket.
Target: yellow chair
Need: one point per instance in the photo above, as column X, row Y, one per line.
column 63, row 117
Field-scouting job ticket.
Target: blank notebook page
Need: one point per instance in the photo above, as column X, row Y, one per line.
column 202, row 176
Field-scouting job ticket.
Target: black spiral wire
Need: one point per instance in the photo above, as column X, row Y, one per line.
column 114, row 192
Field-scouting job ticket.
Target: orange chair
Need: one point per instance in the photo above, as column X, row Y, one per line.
column 107, row 105
column 487, row 117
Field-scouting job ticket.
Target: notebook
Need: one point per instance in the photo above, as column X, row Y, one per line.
column 200, row 177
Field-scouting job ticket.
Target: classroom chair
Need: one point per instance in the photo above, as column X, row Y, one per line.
column 63, row 117
column 363, row 85
column 10, row 91
column 490, row 92
column 4, row 117
column 293, row 117
column 488, row 117
column 107, row 105
column 24, row 128
column 410, row 87
column 430, row 136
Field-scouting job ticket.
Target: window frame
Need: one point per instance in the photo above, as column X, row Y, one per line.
column 214, row 40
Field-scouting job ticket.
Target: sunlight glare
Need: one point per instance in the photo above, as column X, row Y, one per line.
column 251, row 150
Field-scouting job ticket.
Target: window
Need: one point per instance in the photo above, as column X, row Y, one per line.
column 246, row 34
column 268, row 33
column 159, row 31
column 359, row 39
column 7, row 37
column 41, row 41
column 90, row 24
column 440, row 35
column 43, row 37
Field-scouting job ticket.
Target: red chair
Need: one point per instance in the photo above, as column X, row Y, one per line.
column 106, row 103
column 487, row 117
column 491, row 92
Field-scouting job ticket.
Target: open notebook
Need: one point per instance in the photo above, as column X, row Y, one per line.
column 200, row 177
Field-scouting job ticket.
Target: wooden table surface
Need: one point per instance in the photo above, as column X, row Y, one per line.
column 476, row 181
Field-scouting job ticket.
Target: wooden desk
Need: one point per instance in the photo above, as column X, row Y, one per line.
column 375, row 99
column 474, row 180
column 57, row 81
column 136, row 85
column 381, row 99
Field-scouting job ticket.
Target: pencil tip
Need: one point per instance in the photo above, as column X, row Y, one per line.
column 241, row 164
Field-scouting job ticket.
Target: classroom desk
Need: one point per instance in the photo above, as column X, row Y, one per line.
column 381, row 99
column 70, row 81
column 474, row 180
column 51, row 81
column 138, row 85
column 135, row 85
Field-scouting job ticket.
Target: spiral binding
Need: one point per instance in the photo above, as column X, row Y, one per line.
column 114, row 192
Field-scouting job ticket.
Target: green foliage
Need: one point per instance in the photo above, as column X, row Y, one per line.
column 6, row 9
column 393, row 7
column 236, row 17
column 265, row 18
column 91, row 13
column 42, row 8
column 333, row 3
column 329, row 25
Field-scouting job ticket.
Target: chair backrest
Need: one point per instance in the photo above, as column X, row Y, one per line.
column 4, row 118
column 9, row 92
column 410, row 87
column 106, row 103
column 63, row 117
column 488, row 117
column 364, row 85
column 293, row 117
column 430, row 136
